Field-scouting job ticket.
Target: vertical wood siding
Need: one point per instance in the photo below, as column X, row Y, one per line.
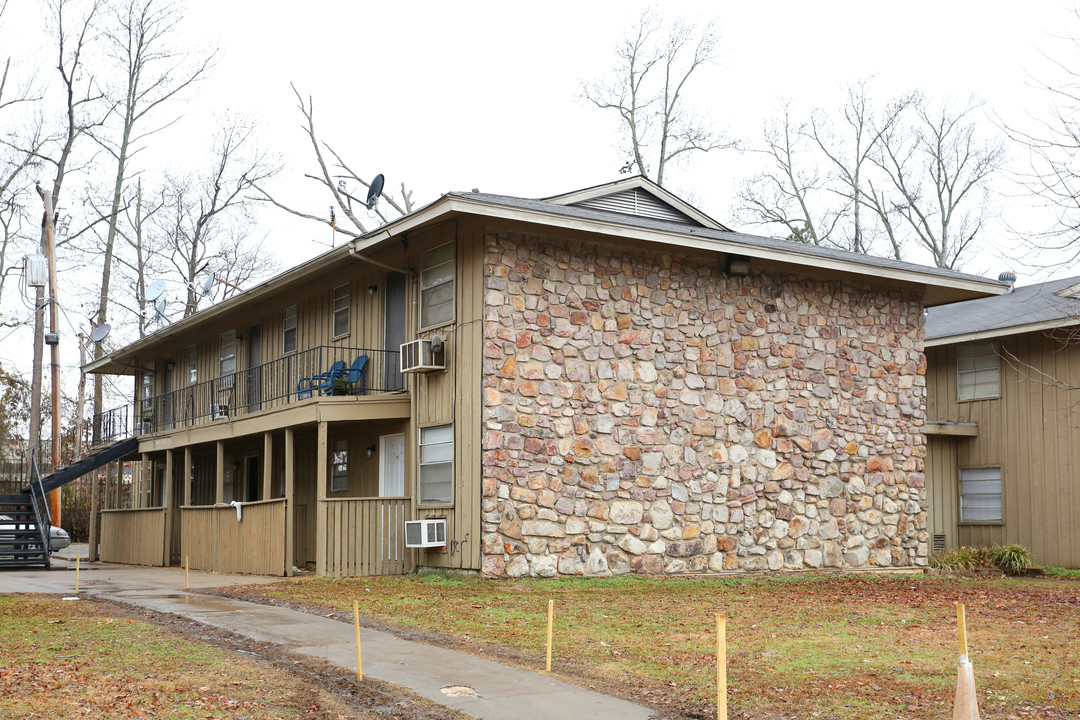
column 215, row 541
column 133, row 537
column 366, row 536
column 1031, row 432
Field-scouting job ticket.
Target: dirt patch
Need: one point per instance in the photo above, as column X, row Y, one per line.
column 371, row 699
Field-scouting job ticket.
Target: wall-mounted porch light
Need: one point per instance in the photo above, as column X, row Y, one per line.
column 371, row 450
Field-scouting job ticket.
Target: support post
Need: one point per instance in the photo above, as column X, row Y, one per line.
column 290, row 506
column 321, row 473
column 167, row 503
column 219, row 474
column 144, row 473
column 268, row 464
column 95, row 497
column 187, row 476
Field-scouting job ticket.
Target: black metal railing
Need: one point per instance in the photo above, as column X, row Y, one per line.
column 279, row 382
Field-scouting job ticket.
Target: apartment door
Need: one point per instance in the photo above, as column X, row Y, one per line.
column 392, row 465
column 394, row 323
column 254, row 368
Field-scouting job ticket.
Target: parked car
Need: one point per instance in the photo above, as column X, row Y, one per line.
column 58, row 537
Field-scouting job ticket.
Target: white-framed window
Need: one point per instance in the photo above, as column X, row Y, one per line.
column 227, row 358
column 339, row 466
column 192, row 364
column 437, row 286
column 980, row 495
column 288, row 330
column 341, row 310
column 978, row 371
column 437, row 465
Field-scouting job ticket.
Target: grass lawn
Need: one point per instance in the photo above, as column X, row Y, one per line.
column 830, row 646
column 78, row 659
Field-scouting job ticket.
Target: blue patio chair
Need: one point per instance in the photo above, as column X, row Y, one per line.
column 346, row 380
column 307, row 386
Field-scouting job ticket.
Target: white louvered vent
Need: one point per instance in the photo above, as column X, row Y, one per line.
column 636, row 202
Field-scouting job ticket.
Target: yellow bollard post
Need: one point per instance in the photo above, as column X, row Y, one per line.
column 356, row 628
column 77, row 557
column 187, row 575
column 721, row 667
column 551, row 617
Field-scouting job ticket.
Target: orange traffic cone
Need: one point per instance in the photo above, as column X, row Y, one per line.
column 966, row 706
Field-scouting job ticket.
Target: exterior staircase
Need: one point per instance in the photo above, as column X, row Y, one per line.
column 24, row 532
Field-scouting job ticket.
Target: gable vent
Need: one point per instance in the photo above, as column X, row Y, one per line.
column 636, row 202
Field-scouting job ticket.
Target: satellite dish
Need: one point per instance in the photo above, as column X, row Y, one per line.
column 208, row 286
column 154, row 291
column 374, row 191
column 101, row 332
column 159, row 314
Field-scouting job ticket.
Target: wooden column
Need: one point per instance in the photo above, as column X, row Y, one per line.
column 144, row 471
column 95, row 479
column 167, row 502
column 187, row 476
column 268, row 464
column 321, row 472
column 290, row 508
column 219, row 474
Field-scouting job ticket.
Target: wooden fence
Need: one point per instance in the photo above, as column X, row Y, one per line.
column 133, row 537
column 366, row 536
column 214, row 540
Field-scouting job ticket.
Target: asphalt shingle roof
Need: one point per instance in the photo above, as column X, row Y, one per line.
column 750, row 241
column 1024, row 306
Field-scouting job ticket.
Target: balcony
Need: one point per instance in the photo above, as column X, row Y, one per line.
column 275, row 384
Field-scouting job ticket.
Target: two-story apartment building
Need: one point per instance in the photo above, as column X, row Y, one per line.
column 1003, row 425
column 622, row 384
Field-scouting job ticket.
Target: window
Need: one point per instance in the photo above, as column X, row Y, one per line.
column 437, row 286
column 437, row 465
column 227, row 359
column 978, row 371
column 339, row 466
column 192, row 364
column 980, row 495
column 341, row 310
column 147, row 391
column 288, row 329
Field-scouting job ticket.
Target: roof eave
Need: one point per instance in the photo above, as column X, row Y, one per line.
column 1000, row 332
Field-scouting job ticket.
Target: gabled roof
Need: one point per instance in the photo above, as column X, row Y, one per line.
column 576, row 211
column 1031, row 308
column 638, row 196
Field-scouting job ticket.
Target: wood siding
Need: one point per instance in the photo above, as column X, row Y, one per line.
column 367, row 537
column 1030, row 431
column 133, row 537
column 214, row 540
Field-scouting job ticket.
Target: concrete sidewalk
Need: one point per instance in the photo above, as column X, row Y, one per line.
column 501, row 692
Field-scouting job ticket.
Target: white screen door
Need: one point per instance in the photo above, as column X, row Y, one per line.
column 392, row 465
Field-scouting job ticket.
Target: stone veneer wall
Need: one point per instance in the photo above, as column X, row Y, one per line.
column 648, row 413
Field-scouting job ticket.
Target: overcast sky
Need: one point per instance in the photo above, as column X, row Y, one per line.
column 455, row 96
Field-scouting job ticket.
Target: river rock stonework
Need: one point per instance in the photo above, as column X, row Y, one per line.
column 648, row 413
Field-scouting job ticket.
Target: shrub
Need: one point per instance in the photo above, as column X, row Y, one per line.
column 961, row 558
column 1013, row 559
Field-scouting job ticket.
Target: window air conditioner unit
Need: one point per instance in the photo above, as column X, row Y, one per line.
column 423, row 355
column 425, row 533
column 219, row 411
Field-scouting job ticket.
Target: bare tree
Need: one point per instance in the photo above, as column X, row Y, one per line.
column 789, row 194
column 335, row 179
column 141, row 41
column 873, row 180
column 647, row 88
column 195, row 219
column 938, row 167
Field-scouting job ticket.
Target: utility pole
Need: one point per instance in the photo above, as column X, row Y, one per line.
column 53, row 340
